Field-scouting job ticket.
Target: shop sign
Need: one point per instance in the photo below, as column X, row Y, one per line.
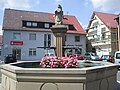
column 16, row 43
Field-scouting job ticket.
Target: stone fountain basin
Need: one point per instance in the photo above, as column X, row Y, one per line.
column 87, row 78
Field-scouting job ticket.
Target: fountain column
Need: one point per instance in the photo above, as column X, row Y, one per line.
column 59, row 31
column 59, row 37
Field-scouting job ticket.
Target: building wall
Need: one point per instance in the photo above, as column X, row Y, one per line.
column 106, row 45
column 114, row 41
column 71, row 42
column 39, row 42
column 8, row 36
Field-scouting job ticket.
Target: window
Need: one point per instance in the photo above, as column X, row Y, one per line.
column 103, row 36
column 103, row 30
column 34, row 24
column 29, row 24
column 32, row 51
column 47, row 40
column 77, row 38
column 117, row 55
column 46, row 25
column 32, row 36
column 114, row 36
column 97, row 37
column 16, row 36
column 95, row 24
column 71, row 27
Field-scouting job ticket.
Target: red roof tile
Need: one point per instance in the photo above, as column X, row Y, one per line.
column 107, row 19
column 72, row 20
column 13, row 20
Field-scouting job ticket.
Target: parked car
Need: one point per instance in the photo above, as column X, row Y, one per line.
column 91, row 56
column 49, row 54
column 10, row 58
column 117, row 57
column 108, row 58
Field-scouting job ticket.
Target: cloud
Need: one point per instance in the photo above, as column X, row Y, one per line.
column 37, row 2
column 86, row 3
column 16, row 4
column 58, row 0
column 107, row 5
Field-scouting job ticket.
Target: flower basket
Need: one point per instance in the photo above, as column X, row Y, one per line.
column 59, row 62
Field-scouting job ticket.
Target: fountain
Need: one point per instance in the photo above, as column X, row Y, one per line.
column 30, row 75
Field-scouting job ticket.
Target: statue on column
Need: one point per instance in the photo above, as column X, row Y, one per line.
column 58, row 15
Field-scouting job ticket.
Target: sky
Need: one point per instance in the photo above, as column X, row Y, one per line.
column 82, row 9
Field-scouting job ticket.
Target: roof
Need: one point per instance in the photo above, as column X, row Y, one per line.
column 13, row 20
column 107, row 19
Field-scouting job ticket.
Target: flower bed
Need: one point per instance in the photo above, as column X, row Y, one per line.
column 59, row 62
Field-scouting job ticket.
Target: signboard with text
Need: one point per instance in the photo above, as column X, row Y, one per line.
column 16, row 42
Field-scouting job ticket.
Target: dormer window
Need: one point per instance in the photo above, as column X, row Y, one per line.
column 29, row 24
column 71, row 27
column 34, row 24
column 46, row 25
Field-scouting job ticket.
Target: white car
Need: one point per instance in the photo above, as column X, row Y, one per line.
column 50, row 54
column 91, row 56
column 117, row 57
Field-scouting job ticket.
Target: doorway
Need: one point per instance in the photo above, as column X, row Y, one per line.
column 17, row 53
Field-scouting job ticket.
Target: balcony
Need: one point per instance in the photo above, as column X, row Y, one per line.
column 101, row 42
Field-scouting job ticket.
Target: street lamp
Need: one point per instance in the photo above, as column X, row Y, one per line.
column 118, row 21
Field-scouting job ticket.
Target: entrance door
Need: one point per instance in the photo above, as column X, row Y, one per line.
column 17, row 53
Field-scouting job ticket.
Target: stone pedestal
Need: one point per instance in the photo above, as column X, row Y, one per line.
column 59, row 40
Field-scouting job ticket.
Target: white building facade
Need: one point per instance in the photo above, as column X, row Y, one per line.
column 102, row 33
column 30, row 37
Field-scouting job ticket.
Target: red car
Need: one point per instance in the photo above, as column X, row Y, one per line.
column 108, row 58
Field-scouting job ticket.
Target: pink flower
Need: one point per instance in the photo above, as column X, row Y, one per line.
column 56, row 62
